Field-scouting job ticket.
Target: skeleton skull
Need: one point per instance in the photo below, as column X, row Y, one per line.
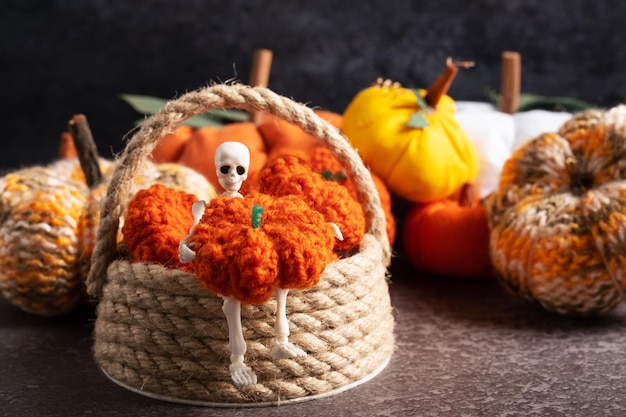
column 232, row 160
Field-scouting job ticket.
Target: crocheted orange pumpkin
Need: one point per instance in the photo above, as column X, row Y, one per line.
column 325, row 163
column 290, row 175
column 557, row 218
column 156, row 220
column 246, row 248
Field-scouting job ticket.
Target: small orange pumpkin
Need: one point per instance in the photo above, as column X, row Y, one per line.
column 289, row 175
column 248, row 247
column 448, row 238
column 157, row 219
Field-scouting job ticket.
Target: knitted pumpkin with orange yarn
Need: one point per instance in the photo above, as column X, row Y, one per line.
column 324, row 162
column 246, row 248
column 39, row 245
column 48, row 222
column 157, row 219
column 557, row 218
column 290, row 175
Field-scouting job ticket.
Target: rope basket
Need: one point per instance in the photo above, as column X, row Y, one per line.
column 161, row 333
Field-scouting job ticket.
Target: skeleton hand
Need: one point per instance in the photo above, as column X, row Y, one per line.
column 185, row 253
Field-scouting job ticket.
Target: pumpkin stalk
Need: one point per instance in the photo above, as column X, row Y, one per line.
column 67, row 150
column 467, row 196
column 511, row 82
column 442, row 84
column 86, row 149
column 259, row 76
column 256, row 216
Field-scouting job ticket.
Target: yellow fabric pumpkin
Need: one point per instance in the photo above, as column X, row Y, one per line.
column 420, row 151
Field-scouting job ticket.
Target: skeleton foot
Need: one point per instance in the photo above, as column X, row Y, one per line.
column 241, row 374
column 286, row 350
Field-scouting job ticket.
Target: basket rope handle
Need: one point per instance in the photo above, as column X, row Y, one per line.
column 140, row 146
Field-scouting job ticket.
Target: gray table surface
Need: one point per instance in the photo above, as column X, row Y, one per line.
column 463, row 349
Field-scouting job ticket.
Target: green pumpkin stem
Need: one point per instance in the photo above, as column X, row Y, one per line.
column 256, row 216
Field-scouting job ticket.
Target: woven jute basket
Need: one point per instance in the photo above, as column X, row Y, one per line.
column 159, row 332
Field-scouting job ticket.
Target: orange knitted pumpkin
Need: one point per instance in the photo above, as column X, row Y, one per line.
column 557, row 218
column 157, row 219
column 246, row 248
column 48, row 221
column 289, row 175
column 324, row 162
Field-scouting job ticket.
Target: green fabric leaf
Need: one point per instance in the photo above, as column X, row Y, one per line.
column 421, row 101
column 216, row 117
column 339, row 176
column 228, row 114
column 529, row 102
column 144, row 104
column 536, row 102
column 418, row 120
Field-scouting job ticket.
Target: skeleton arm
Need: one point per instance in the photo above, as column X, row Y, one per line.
column 185, row 253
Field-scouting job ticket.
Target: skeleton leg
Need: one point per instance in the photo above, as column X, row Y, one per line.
column 283, row 349
column 239, row 371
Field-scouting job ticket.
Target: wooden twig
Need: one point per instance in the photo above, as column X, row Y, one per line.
column 444, row 81
column 86, row 149
column 511, row 82
column 260, row 75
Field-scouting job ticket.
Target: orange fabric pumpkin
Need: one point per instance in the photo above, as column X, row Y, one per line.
column 283, row 137
column 170, row 147
column 199, row 151
column 446, row 239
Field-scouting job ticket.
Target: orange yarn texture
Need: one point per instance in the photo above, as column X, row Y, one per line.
column 289, row 249
column 322, row 160
column 290, row 175
column 157, row 219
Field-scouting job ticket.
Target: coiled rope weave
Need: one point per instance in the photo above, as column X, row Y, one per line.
column 160, row 332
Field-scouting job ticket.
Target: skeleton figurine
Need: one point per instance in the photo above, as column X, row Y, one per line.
column 232, row 160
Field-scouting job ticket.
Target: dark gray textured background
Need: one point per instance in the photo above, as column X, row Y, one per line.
column 58, row 57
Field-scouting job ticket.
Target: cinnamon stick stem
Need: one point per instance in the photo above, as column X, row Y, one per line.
column 468, row 195
column 444, row 81
column 260, row 75
column 67, row 150
column 511, row 82
column 86, row 149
